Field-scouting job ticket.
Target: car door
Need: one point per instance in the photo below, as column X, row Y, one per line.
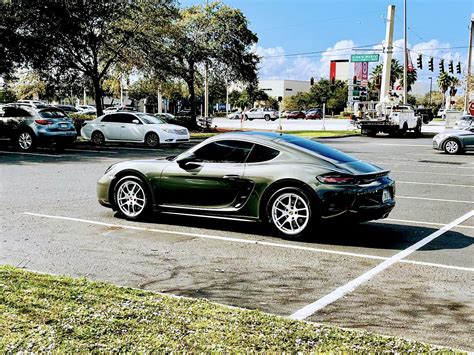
column 111, row 126
column 131, row 131
column 213, row 181
column 468, row 139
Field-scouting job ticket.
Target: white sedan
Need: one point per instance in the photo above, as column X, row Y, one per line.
column 134, row 127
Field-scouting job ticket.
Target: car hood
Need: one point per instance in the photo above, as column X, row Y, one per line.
column 453, row 132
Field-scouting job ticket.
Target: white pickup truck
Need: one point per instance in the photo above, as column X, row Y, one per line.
column 258, row 113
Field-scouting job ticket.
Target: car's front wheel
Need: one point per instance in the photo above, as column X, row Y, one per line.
column 152, row 140
column 289, row 212
column 131, row 197
column 26, row 142
column 452, row 146
column 267, row 118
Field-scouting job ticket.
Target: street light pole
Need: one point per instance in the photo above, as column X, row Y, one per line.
column 469, row 60
column 405, row 70
column 431, row 84
column 206, row 85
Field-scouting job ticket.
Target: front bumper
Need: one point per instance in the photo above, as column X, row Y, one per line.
column 103, row 187
column 438, row 144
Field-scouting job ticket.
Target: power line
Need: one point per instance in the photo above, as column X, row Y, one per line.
column 318, row 52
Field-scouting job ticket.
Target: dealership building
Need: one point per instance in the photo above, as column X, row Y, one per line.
column 283, row 88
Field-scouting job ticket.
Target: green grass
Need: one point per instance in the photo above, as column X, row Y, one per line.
column 41, row 313
column 306, row 134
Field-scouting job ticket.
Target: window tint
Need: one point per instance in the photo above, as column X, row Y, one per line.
column 261, row 153
column 15, row 112
column 124, row 118
column 224, row 152
column 110, row 118
column 321, row 149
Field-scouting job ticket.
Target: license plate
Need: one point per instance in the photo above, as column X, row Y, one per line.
column 63, row 126
column 386, row 196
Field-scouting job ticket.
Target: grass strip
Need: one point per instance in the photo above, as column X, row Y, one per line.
column 41, row 313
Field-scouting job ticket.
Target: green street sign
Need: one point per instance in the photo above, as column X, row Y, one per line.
column 364, row 58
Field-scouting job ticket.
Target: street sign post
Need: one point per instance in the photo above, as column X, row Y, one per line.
column 365, row 58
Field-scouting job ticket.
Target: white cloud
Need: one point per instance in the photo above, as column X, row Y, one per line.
column 338, row 51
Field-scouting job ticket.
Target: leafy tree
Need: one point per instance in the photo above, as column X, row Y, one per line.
column 30, row 86
column 91, row 39
column 216, row 36
column 396, row 73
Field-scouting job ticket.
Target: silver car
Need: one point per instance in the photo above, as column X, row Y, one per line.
column 463, row 122
column 455, row 141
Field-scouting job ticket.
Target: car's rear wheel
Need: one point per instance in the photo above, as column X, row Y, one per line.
column 289, row 212
column 267, row 117
column 131, row 197
column 98, row 138
column 452, row 146
column 152, row 140
column 26, row 141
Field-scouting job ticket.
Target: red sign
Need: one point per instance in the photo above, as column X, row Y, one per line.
column 471, row 108
column 361, row 70
column 332, row 70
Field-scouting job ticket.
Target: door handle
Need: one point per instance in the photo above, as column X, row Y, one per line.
column 122, row 126
column 231, row 177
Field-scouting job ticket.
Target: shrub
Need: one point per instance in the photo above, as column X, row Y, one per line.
column 79, row 119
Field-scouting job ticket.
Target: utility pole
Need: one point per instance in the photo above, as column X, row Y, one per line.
column 226, row 98
column 85, row 96
column 469, row 63
column 431, row 85
column 385, row 85
column 405, row 65
column 206, row 85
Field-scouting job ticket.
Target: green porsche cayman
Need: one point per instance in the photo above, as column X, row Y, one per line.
column 288, row 182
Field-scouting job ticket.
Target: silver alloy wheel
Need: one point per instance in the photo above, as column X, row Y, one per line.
column 290, row 213
column 131, row 198
column 25, row 140
column 451, row 147
column 152, row 140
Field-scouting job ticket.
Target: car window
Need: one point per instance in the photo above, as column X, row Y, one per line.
column 126, row 118
column 110, row 118
column 261, row 153
column 320, row 149
column 15, row 112
column 148, row 119
column 52, row 114
column 225, row 151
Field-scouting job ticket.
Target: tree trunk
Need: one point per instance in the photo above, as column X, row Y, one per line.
column 192, row 101
column 98, row 96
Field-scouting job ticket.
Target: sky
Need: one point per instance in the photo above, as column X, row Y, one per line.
column 291, row 31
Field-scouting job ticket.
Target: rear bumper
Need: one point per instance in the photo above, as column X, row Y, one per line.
column 64, row 137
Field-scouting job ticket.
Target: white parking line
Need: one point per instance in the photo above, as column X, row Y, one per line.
column 433, row 199
column 246, row 241
column 310, row 309
column 402, row 145
column 421, row 222
column 35, row 154
column 432, row 184
column 91, row 151
column 429, row 173
column 425, row 165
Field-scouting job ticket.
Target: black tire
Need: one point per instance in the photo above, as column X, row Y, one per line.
column 132, row 198
column 402, row 132
column 452, row 146
column 418, row 129
column 295, row 226
column 98, row 138
column 267, row 117
column 26, row 141
column 152, row 140
column 371, row 133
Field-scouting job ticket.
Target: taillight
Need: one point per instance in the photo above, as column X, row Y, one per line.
column 44, row 122
column 336, row 179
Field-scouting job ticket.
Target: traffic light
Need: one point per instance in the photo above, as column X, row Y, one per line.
column 441, row 66
column 458, row 68
column 354, row 80
column 419, row 62
column 451, row 67
column 363, row 93
column 311, row 81
column 430, row 64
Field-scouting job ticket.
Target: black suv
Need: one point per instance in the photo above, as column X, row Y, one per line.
column 29, row 125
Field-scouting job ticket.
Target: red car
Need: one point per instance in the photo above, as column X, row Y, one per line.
column 295, row 115
column 314, row 115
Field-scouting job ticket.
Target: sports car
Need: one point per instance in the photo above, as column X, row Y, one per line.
column 292, row 184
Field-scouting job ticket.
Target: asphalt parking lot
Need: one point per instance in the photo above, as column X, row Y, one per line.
column 51, row 222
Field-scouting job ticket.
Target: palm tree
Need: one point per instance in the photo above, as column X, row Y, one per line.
column 444, row 82
column 396, row 72
column 455, row 82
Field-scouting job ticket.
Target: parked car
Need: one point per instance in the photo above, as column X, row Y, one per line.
column 426, row 114
column 261, row 113
column 442, row 113
column 455, row 141
column 68, row 108
column 295, row 115
column 133, row 127
column 464, row 121
column 183, row 118
column 32, row 102
column 29, row 126
column 167, row 117
column 87, row 109
column 288, row 182
column 314, row 115
column 119, row 108
column 234, row 115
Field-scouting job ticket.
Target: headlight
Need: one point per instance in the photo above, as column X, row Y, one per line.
column 170, row 130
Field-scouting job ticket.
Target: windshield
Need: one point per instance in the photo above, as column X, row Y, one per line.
column 52, row 114
column 148, row 119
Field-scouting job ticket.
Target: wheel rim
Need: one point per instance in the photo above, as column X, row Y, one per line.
column 98, row 138
column 152, row 140
column 131, row 198
column 451, row 147
column 25, row 141
column 290, row 213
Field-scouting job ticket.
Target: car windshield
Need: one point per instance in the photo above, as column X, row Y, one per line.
column 52, row 114
column 148, row 119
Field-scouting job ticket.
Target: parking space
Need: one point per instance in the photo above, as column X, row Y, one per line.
column 52, row 223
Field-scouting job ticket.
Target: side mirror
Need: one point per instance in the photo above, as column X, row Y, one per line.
column 136, row 121
column 188, row 161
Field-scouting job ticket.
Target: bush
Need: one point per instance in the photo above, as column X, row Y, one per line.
column 79, row 119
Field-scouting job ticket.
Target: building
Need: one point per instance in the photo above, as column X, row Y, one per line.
column 283, row 88
column 339, row 70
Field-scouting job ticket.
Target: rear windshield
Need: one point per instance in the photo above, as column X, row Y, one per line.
column 52, row 114
column 320, row 149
